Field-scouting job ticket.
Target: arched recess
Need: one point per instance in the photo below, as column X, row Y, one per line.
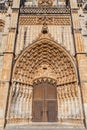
column 44, row 59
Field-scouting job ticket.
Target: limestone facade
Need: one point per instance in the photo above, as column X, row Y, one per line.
column 43, row 40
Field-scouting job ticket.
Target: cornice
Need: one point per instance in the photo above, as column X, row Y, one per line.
column 44, row 10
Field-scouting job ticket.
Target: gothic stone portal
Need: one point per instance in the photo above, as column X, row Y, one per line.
column 45, row 102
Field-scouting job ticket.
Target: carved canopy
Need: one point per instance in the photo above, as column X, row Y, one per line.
column 45, row 2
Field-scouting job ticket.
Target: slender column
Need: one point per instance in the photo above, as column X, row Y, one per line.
column 30, row 102
column 19, row 106
column 65, row 108
column 9, row 112
column 58, row 101
column 65, row 101
column 62, row 108
column 22, row 38
column 74, row 109
column 27, row 37
column 22, row 97
column 27, row 101
column 80, row 103
column 72, row 106
column 59, row 109
column 69, row 101
column 57, row 105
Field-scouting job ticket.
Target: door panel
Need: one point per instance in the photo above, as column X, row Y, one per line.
column 50, row 92
column 38, row 109
column 52, row 111
column 38, row 92
column 44, row 102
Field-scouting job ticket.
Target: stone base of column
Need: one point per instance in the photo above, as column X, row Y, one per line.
column 30, row 120
column 72, row 121
column 59, row 120
column 86, row 122
column 2, row 123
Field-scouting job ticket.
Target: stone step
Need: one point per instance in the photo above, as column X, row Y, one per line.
column 45, row 126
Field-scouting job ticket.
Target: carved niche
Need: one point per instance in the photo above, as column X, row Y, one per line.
column 45, row 2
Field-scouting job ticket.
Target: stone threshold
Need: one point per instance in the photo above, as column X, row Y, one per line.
column 44, row 125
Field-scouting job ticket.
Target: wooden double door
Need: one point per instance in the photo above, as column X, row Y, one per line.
column 45, row 102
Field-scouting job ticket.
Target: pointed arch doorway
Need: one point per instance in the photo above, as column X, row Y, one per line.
column 44, row 58
column 45, row 101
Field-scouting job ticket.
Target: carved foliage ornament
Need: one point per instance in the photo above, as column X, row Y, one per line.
column 45, row 2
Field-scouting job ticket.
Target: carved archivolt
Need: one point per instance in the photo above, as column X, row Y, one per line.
column 44, row 58
column 51, row 20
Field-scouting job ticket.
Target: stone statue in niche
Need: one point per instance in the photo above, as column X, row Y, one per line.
column 45, row 2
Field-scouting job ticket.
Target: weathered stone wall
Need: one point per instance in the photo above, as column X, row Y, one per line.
column 1, row 63
column 80, row 55
column 60, row 34
column 83, row 62
column 7, row 48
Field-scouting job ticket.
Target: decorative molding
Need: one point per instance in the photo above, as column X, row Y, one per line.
column 3, row 83
column 45, row 79
column 50, row 20
column 45, row 10
column 12, row 29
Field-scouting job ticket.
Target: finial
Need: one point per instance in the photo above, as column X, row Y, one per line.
column 45, row 27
